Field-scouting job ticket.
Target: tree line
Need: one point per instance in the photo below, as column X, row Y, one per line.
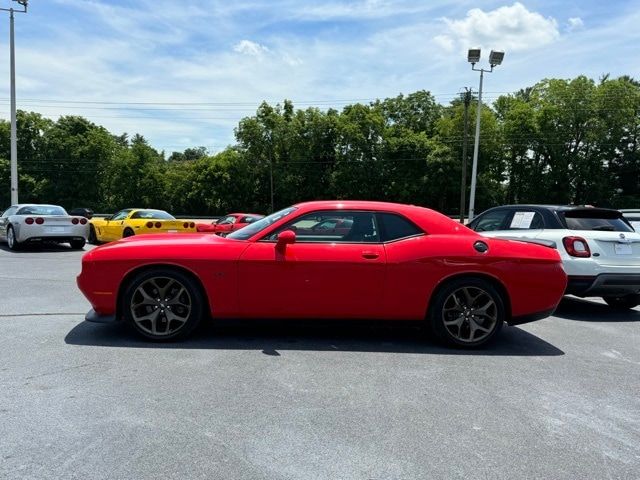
column 559, row 141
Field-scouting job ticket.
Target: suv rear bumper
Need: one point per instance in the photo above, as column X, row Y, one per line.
column 604, row 284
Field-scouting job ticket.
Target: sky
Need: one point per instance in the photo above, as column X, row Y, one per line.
column 182, row 73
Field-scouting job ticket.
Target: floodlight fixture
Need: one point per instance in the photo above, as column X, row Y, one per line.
column 495, row 58
column 474, row 55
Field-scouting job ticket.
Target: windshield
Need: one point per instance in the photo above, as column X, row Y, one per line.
column 253, row 228
column 602, row 221
column 42, row 210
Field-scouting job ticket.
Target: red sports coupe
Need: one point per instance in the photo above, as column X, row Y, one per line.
column 393, row 262
column 228, row 223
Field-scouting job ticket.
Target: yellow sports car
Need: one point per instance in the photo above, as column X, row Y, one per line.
column 136, row 221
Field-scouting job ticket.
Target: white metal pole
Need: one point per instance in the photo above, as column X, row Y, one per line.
column 476, row 148
column 14, row 133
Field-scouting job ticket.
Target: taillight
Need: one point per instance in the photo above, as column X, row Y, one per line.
column 192, row 225
column 158, row 225
column 576, row 247
column 185, row 224
column 83, row 221
column 29, row 221
column 149, row 224
column 75, row 221
column 39, row 221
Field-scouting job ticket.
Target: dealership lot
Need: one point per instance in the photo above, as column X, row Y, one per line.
column 553, row 399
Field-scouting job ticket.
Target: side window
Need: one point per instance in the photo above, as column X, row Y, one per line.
column 526, row 220
column 329, row 227
column 491, row 221
column 395, row 227
column 120, row 215
column 247, row 220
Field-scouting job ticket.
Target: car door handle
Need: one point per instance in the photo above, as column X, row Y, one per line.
column 370, row 255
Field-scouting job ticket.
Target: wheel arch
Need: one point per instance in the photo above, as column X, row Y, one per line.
column 131, row 274
column 495, row 282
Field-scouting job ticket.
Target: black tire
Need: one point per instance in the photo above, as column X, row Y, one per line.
column 93, row 239
column 623, row 302
column 127, row 233
column 12, row 242
column 184, row 322
column 78, row 244
column 446, row 306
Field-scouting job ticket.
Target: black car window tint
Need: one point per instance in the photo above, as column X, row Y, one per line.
column 395, row 227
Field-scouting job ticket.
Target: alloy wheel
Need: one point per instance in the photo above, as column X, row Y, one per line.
column 470, row 314
column 160, row 306
column 11, row 239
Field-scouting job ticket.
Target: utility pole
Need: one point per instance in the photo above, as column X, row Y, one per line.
column 14, row 129
column 466, row 98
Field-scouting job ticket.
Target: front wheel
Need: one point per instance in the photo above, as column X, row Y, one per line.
column 467, row 313
column 163, row 304
column 12, row 241
column 623, row 302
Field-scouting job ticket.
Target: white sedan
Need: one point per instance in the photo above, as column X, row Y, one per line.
column 599, row 248
column 31, row 223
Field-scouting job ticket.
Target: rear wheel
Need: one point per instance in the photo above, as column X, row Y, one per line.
column 467, row 312
column 77, row 244
column 163, row 304
column 12, row 242
column 623, row 302
column 93, row 239
column 127, row 233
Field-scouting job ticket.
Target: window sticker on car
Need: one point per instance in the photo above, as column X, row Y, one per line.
column 522, row 219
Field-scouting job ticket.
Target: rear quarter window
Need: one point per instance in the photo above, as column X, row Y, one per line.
column 396, row 227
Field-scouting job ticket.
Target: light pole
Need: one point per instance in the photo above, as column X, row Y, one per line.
column 495, row 59
column 14, row 131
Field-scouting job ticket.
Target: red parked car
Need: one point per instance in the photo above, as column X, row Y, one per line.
column 229, row 223
column 394, row 262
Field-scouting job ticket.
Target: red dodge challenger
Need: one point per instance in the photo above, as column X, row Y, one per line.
column 393, row 262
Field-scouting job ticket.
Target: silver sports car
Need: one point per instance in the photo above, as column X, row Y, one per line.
column 30, row 223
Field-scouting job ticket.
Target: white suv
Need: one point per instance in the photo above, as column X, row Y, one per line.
column 599, row 248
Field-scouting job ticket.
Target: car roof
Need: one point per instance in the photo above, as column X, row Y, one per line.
column 356, row 205
column 558, row 208
column 429, row 220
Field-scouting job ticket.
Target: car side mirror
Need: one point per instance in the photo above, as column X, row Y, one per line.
column 286, row 237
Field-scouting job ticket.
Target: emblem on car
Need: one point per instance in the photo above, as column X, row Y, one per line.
column 622, row 236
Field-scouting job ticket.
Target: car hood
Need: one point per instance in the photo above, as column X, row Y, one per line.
column 161, row 240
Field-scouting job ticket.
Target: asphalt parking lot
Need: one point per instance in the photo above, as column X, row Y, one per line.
column 556, row 399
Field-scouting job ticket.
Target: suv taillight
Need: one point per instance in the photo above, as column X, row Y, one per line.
column 576, row 247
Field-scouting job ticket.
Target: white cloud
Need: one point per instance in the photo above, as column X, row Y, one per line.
column 575, row 23
column 510, row 28
column 247, row 47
